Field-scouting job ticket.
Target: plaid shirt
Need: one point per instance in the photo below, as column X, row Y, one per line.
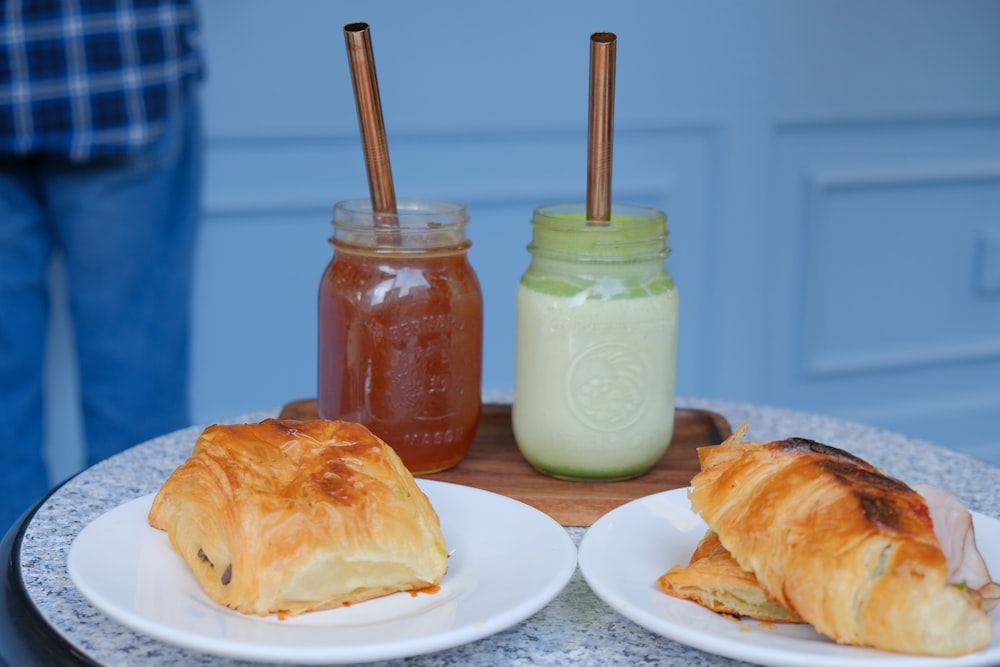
column 85, row 79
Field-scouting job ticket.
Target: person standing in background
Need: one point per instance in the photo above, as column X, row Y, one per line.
column 100, row 162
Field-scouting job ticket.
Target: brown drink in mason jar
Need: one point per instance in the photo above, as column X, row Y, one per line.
column 401, row 330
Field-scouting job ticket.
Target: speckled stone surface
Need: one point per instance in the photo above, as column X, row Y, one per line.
column 577, row 628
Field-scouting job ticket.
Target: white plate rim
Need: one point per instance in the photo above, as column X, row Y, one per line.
column 512, row 518
column 605, row 535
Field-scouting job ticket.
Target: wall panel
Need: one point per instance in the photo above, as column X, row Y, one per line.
column 884, row 227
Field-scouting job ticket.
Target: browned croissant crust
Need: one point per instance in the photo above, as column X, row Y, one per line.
column 292, row 516
column 715, row 580
column 828, row 535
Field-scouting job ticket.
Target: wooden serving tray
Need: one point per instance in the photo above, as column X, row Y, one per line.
column 495, row 464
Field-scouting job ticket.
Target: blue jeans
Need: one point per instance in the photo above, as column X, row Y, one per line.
column 126, row 231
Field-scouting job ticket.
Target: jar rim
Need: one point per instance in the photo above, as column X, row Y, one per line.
column 419, row 226
column 560, row 210
column 633, row 233
column 410, row 213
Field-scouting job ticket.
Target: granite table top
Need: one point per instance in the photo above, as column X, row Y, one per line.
column 576, row 628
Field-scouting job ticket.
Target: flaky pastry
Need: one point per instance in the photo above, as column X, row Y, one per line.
column 293, row 516
column 715, row 580
column 831, row 537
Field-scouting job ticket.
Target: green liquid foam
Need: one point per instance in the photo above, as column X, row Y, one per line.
column 598, row 289
column 606, row 262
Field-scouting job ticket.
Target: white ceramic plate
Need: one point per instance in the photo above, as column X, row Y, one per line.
column 626, row 550
column 508, row 560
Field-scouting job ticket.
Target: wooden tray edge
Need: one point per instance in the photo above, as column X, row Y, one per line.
column 305, row 408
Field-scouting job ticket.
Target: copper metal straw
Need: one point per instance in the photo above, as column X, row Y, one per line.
column 600, row 136
column 373, row 140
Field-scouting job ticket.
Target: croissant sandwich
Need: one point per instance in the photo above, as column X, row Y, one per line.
column 849, row 549
column 292, row 516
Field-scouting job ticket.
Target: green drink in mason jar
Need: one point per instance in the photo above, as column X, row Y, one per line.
column 596, row 344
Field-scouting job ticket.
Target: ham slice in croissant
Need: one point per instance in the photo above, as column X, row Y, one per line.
column 848, row 548
column 953, row 527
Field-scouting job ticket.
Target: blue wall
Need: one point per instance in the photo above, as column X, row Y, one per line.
column 831, row 171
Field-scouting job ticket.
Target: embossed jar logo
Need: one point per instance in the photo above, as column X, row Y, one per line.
column 606, row 385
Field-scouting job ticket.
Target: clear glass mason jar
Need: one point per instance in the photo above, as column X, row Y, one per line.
column 401, row 330
column 596, row 345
